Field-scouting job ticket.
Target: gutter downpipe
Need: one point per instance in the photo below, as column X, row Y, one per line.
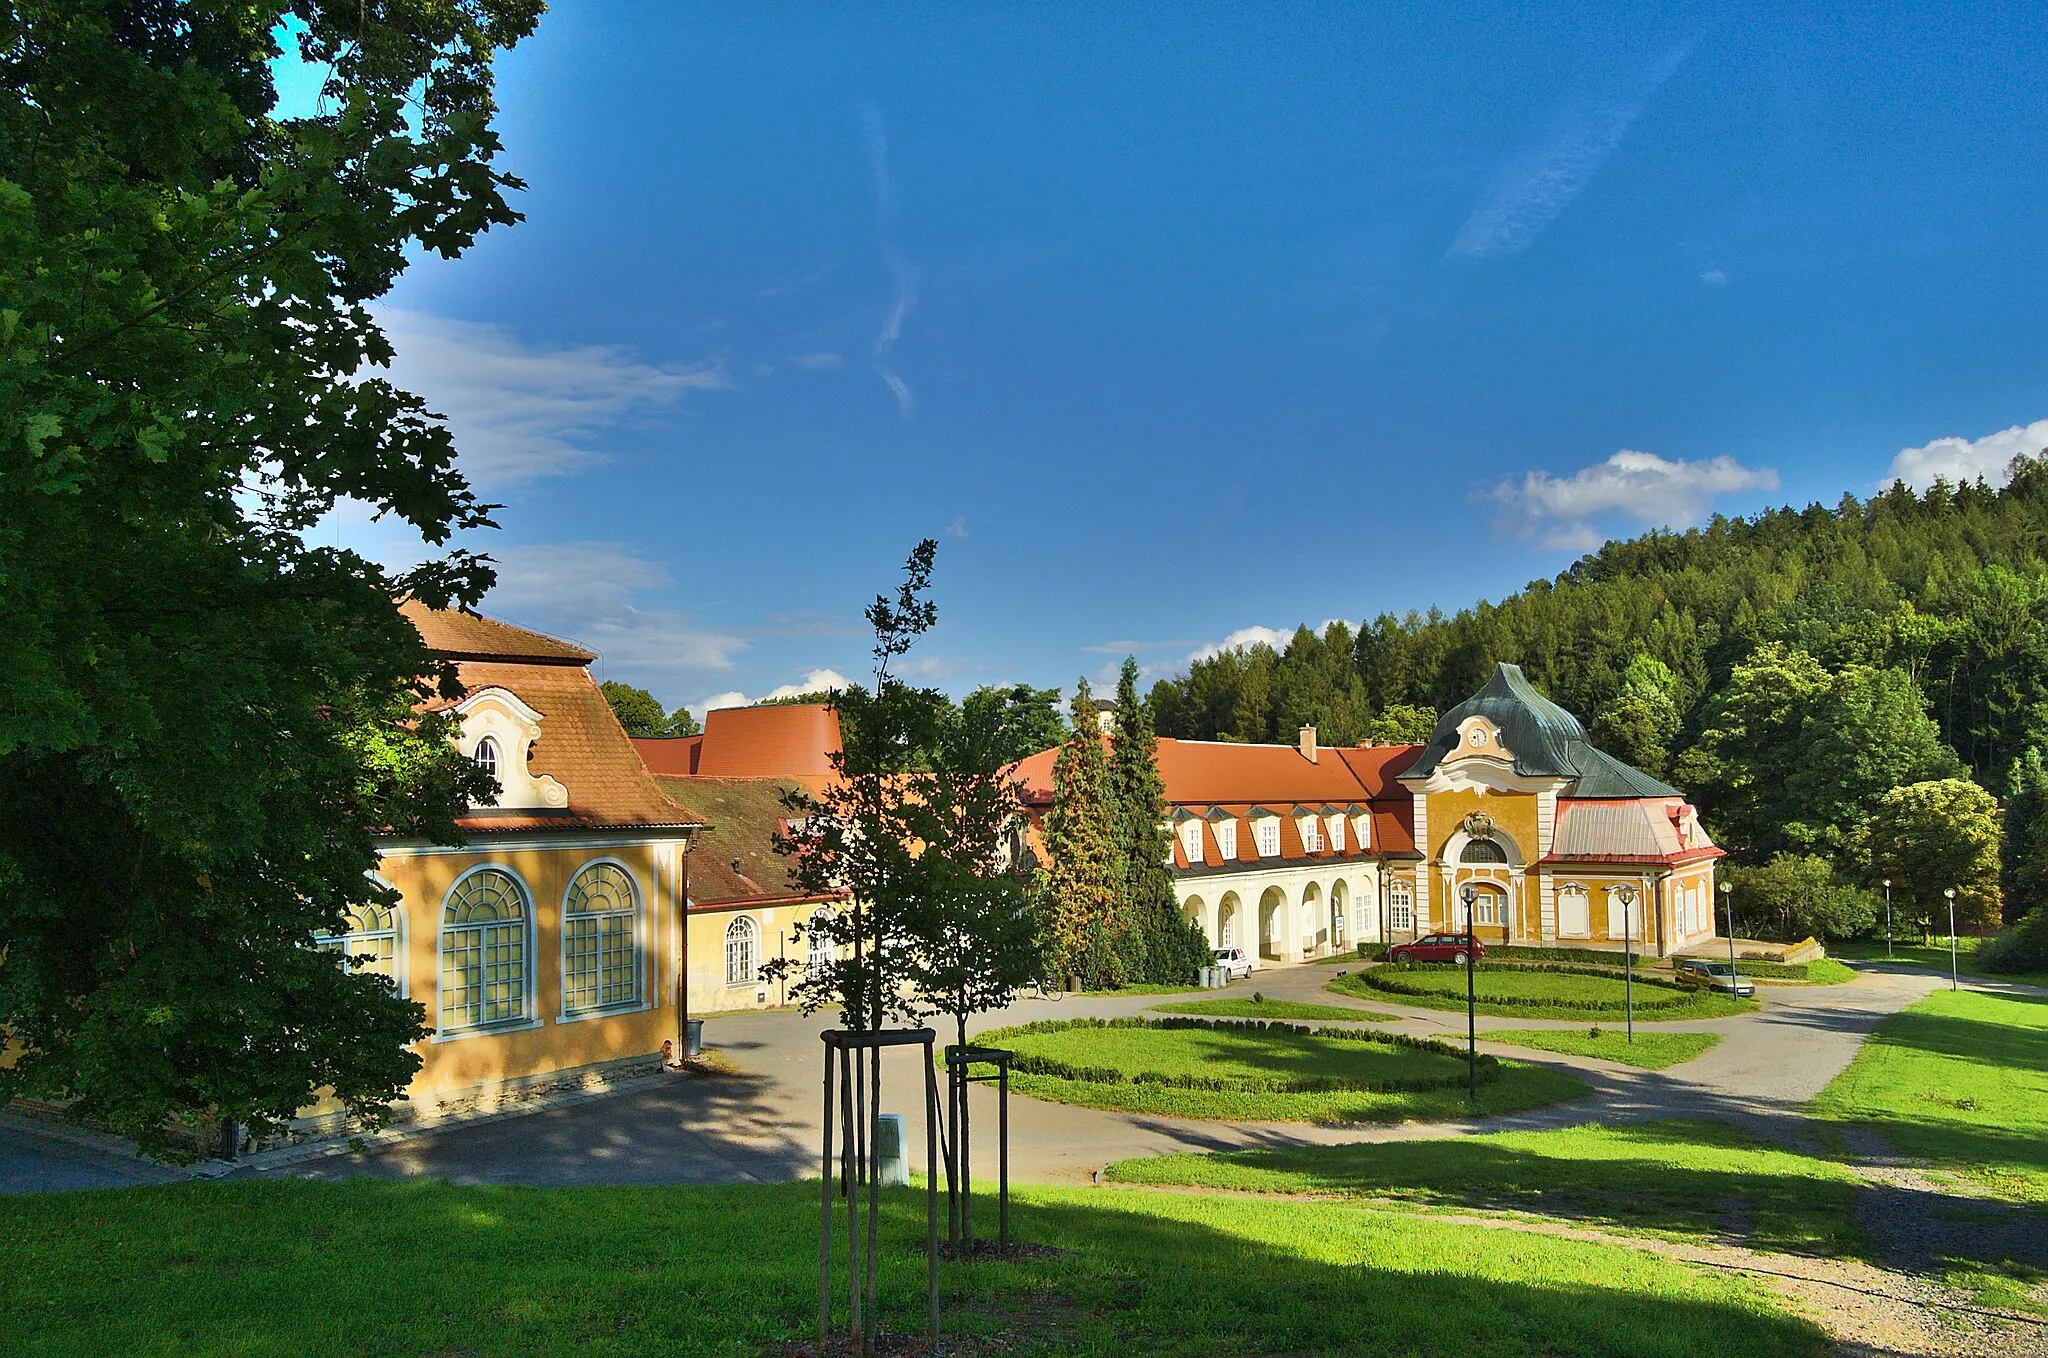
column 682, row 882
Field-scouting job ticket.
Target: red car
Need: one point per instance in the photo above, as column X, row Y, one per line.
column 1438, row 948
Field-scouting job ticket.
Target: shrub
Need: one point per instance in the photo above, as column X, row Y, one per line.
column 1795, row 895
column 1598, row 956
column 2021, row 948
column 1372, row 952
column 1392, row 981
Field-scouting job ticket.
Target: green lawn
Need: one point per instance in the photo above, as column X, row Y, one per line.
column 1934, row 957
column 1961, row 1078
column 1674, row 1176
column 1650, row 1051
column 1519, row 993
column 1146, row 988
column 1245, row 1074
column 1270, row 1009
column 291, row 1267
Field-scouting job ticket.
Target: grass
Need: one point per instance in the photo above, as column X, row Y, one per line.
column 1650, row 1051
column 1685, row 1177
column 1538, row 994
column 1961, row 1079
column 1271, row 1009
column 1233, row 1071
column 1145, row 988
column 1934, row 956
column 292, row 1267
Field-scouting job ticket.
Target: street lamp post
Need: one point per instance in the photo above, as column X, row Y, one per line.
column 1728, row 903
column 1887, row 919
column 1950, row 892
column 1470, row 895
column 1627, row 895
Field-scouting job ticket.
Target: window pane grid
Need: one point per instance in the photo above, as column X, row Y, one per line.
column 483, row 953
column 600, row 962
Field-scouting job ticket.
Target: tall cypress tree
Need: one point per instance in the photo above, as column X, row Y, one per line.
column 1084, row 920
column 1165, row 949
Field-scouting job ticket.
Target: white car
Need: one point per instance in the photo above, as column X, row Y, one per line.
column 1236, row 966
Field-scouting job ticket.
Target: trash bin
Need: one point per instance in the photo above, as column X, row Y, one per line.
column 890, row 1167
column 696, row 1037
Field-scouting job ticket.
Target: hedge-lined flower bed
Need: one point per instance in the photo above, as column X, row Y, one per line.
column 1057, row 1067
column 1442, row 980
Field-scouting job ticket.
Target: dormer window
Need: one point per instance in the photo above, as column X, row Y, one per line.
column 486, row 756
column 1267, row 833
column 1191, row 840
column 1337, row 833
column 1311, row 834
column 1226, row 838
column 1364, row 828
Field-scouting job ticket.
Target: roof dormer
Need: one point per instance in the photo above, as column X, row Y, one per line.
column 498, row 730
column 1479, row 738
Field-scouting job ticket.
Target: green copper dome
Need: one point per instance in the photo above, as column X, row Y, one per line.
column 1546, row 741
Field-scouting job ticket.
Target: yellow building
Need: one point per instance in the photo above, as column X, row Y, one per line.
column 545, row 947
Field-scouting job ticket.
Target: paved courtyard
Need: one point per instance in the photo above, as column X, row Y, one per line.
column 763, row 1124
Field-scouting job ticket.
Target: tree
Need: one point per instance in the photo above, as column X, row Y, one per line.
column 1796, row 896
column 1869, row 735
column 1028, row 719
column 2023, row 847
column 640, row 712
column 1638, row 723
column 205, row 718
column 1084, row 928
column 1928, row 837
column 1165, row 948
column 1401, row 724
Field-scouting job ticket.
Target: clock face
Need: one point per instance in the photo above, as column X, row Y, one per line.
column 1478, row 737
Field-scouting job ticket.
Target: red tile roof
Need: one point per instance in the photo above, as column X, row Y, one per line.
column 669, row 756
column 787, row 740
column 733, row 862
column 581, row 744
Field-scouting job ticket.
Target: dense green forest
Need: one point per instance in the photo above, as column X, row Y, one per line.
column 1792, row 671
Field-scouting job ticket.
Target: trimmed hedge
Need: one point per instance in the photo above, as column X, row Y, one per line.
column 1372, row 952
column 1387, row 979
column 1024, row 1063
column 1597, row 956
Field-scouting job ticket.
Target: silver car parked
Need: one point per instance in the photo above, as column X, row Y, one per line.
column 1715, row 976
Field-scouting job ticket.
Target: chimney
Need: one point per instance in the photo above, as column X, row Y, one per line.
column 1308, row 743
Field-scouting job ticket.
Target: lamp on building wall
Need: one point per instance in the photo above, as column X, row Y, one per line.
column 1950, row 892
column 1471, row 894
column 1626, row 894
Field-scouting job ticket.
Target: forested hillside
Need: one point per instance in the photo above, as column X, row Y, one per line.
column 1792, row 671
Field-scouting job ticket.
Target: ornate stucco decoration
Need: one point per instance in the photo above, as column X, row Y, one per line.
column 498, row 715
column 1479, row 825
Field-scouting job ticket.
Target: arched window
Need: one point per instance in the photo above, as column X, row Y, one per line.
column 484, row 955
column 372, row 933
column 1483, row 851
column 487, row 756
column 742, row 946
column 600, row 953
column 818, row 942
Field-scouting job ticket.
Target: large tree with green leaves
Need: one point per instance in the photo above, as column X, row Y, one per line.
column 1165, row 948
column 206, row 717
column 1085, row 926
column 1933, row 836
column 640, row 712
column 2023, row 846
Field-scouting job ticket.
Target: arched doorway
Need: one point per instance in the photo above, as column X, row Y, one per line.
column 1315, row 924
column 1229, row 911
column 1489, row 911
column 1340, row 906
column 1195, row 912
column 1273, row 924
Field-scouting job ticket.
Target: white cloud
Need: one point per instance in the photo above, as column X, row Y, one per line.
column 585, row 591
column 1642, row 489
column 957, row 529
column 901, row 274
column 1242, row 638
column 1715, row 278
column 1958, row 460
column 518, row 411
column 1536, row 185
column 819, row 362
column 816, row 681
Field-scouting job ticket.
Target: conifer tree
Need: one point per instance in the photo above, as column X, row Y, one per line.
column 1084, row 923
column 1166, row 949
column 2023, row 856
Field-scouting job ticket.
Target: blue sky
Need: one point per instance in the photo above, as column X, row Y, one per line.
column 1172, row 322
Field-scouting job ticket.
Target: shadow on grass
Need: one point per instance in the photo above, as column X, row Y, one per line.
column 309, row 1268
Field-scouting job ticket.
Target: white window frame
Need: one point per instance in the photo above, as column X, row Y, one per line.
column 819, row 952
column 358, row 940
column 1401, row 907
column 743, row 931
column 1266, row 835
column 1577, row 892
column 1191, row 840
column 1337, row 833
column 1226, row 839
column 525, row 1017
column 635, row 998
column 1311, row 834
column 1362, row 831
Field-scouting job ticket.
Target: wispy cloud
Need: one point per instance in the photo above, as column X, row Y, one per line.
column 1641, row 489
column 586, row 591
column 900, row 272
column 820, row 362
column 1959, row 460
column 520, row 412
column 817, row 681
column 1539, row 182
column 1243, row 638
column 957, row 529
